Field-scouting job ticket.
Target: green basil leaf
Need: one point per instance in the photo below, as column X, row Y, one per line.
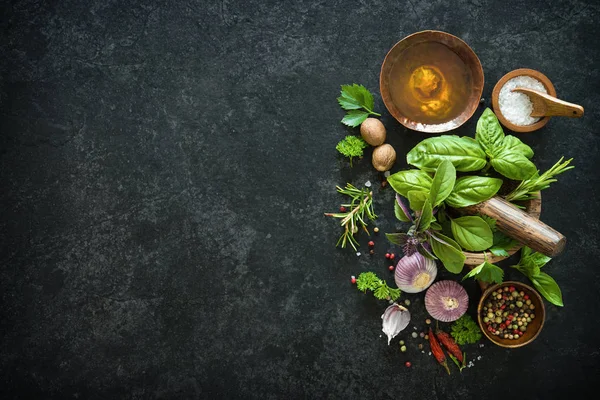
column 464, row 154
column 470, row 190
column 472, row 233
column 514, row 144
column 426, row 217
column 489, row 133
column 448, row 251
column 538, row 259
column 435, row 226
column 525, row 251
column 486, row 272
column 413, row 179
column 399, row 212
column 548, row 288
column 425, row 253
column 417, row 199
column 513, row 165
column 397, row 238
column 443, row 183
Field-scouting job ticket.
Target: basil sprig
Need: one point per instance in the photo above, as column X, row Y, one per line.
column 530, row 265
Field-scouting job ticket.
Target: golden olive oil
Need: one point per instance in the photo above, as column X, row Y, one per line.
column 430, row 83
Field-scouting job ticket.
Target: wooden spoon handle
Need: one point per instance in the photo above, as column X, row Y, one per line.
column 554, row 107
column 520, row 226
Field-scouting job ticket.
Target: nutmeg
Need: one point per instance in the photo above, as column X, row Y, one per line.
column 384, row 157
column 373, row 131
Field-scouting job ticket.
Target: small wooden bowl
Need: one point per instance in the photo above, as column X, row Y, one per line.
column 496, row 94
column 461, row 49
column 533, row 329
column 533, row 208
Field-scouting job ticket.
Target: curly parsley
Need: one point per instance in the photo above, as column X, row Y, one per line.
column 464, row 330
column 370, row 281
column 352, row 146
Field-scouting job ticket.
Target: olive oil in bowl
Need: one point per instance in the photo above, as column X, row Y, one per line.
column 430, row 83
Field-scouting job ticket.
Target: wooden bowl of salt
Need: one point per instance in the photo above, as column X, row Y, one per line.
column 515, row 104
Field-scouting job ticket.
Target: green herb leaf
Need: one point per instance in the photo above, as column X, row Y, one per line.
column 490, row 221
column 443, row 183
column 465, row 331
column 548, row 288
column 417, row 199
column 502, row 244
column 472, row 233
column 464, row 154
column 470, row 190
column 514, row 144
column 354, row 97
column 370, row 281
column 486, row 272
column 537, row 259
column 397, row 238
column 367, row 280
column 426, row 216
column 435, row 226
column 513, row 165
column 352, row 146
column 448, row 251
column 489, row 133
column 425, row 253
column 400, row 214
column 528, row 187
column 410, row 180
column 354, row 118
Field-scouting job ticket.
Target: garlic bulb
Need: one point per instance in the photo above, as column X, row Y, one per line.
column 446, row 301
column 415, row 273
column 395, row 319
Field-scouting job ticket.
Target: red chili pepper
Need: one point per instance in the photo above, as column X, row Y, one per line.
column 450, row 345
column 437, row 351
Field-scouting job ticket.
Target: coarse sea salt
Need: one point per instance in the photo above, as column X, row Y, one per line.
column 517, row 107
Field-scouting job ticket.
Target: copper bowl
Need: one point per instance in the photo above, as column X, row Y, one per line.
column 459, row 47
column 496, row 94
column 533, row 328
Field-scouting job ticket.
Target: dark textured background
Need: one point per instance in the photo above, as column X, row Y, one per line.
column 164, row 171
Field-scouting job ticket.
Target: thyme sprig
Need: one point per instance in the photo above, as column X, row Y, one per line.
column 359, row 209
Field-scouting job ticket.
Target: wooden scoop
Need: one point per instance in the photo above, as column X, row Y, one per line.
column 545, row 105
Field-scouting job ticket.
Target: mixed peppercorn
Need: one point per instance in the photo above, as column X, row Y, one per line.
column 507, row 312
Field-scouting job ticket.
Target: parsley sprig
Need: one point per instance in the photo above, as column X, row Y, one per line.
column 464, row 330
column 370, row 281
column 358, row 102
column 359, row 209
column 352, row 146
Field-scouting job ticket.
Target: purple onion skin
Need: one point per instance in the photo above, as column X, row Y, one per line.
column 411, row 267
column 446, row 301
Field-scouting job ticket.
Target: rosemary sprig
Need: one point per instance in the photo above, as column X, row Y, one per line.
column 528, row 187
column 359, row 209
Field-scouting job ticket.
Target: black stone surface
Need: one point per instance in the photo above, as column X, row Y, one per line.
column 165, row 167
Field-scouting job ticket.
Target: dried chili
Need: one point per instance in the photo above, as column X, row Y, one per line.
column 450, row 345
column 437, row 351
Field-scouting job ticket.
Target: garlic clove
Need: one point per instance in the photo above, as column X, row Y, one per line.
column 395, row 319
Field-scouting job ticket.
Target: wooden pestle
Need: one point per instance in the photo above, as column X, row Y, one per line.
column 520, row 226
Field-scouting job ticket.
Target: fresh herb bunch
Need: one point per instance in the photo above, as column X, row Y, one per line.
column 530, row 265
column 352, row 146
column 465, row 331
column 360, row 209
column 358, row 102
column 434, row 188
column 486, row 272
column 370, row 281
column 537, row 182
